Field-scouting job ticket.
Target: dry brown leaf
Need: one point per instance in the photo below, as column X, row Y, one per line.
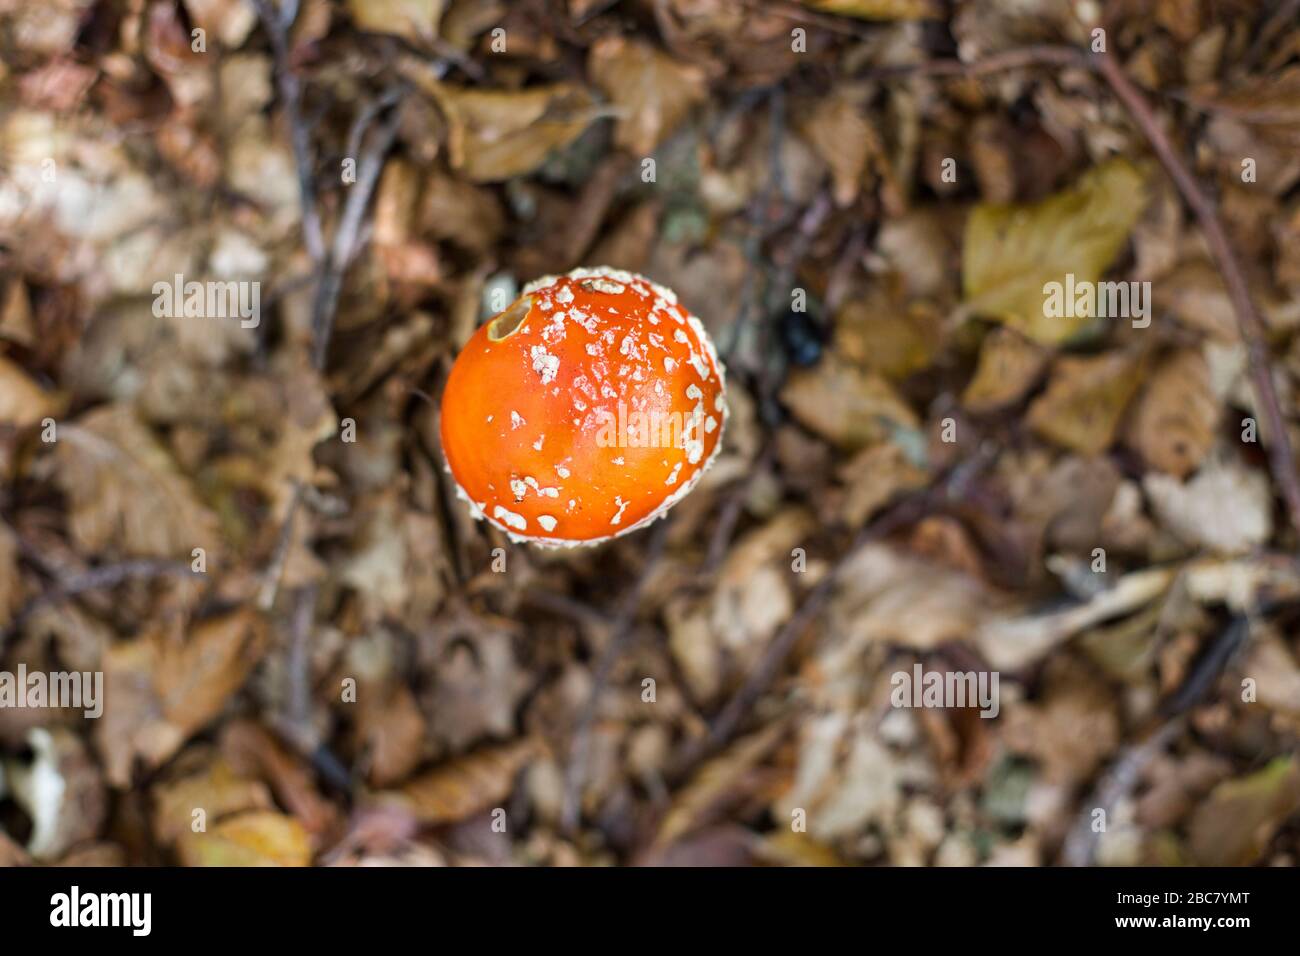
column 1072, row 730
column 1226, row 506
column 125, row 490
column 1012, row 642
column 1276, row 673
column 889, row 596
column 217, row 790
column 1085, row 401
column 881, row 9
column 160, row 691
column 1011, row 252
column 652, row 91
column 477, row 687
column 229, row 20
column 495, row 134
column 716, row 781
column 390, row 730
column 1235, row 823
column 415, row 20
column 466, row 785
column 1009, row 366
column 469, row 216
column 841, row 136
column 22, row 401
column 875, row 476
column 254, row 751
column 849, row 407
column 255, row 838
column 1176, row 419
column 883, row 333
column 846, row 779
column 11, row 583
column 754, row 593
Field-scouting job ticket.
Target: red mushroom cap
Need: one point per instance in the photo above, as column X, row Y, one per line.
column 585, row 410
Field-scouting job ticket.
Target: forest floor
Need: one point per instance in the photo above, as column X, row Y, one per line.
column 895, row 217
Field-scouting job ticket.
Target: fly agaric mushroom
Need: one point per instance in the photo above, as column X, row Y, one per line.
column 585, row 410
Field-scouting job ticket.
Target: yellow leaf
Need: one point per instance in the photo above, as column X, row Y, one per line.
column 11, row 584
column 410, row 19
column 256, row 838
column 495, row 134
column 880, row 9
column 1011, row 252
column 1085, row 400
column 218, row 790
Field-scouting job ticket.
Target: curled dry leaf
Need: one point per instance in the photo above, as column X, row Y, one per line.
column 1227, row 507
column 1175, row 421
column 754, row 594
column 218, row 790
column 1234, row 824
column 159, row 691
column 652, row 91
column 1009, row 366
column 465, row 785
column 875, row 476
column 880, row 9
column 1011, row 252
column 849, row 407
column 715, row 782
column 1085, row 400
column 1070, row 732
column 845, row 780
column 253, row 752
column 843, row 139
column 22, row 401
column 255, row 838
column 889, row 596
column 495, row 134
column 415, row 20
column 125, row 490
column 11, row 583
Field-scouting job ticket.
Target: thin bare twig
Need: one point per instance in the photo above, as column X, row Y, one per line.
column 347, row 236
column 96, row 579
column 729, row 514
column 277, row 24
column 271, row 583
